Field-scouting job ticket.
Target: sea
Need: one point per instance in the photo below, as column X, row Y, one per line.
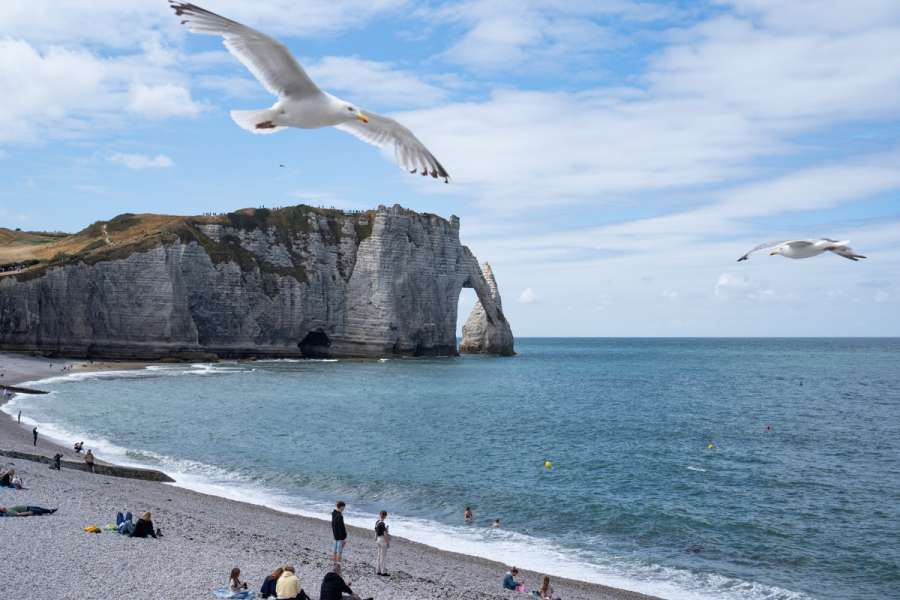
column 685, row 468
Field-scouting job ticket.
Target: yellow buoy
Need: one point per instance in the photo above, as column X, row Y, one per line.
column 548, row 465
column 710, row 446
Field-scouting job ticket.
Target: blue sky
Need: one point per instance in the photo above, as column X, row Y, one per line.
column 611, row 159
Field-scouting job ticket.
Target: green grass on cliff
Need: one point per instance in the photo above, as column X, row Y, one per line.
column 27, row 255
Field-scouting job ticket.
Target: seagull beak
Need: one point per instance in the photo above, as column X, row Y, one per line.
column 773, row 253
column 362, row 117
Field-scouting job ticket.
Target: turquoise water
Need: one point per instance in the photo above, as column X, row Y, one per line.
column 635, row 498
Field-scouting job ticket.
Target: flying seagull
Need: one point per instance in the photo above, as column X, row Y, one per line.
column 300, row 102
column 806, row 249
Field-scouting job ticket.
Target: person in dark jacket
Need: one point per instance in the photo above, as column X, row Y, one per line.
column 334, row 587
column 268, row 587
column 144, row 527
column 339, row 531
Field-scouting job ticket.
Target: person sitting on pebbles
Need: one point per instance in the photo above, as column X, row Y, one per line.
column 144, row 528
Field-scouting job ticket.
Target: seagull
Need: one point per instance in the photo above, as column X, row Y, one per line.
column 807, row 249
column 300, row 102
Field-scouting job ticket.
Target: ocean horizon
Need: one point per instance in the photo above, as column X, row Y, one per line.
column 681, row 467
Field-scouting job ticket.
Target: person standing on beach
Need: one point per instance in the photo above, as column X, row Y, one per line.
column 89, row 460
column 339, row 530
column 34, row 433
column 20, row 417
column 382, row 543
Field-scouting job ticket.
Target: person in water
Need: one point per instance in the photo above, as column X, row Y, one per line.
column 339, row 531
column 496, row 524
column 234, row 581
column 509, row 580
column 268, row 589
column 382, row 543
column 144, row 527
column 467, row 515
column 25, row 511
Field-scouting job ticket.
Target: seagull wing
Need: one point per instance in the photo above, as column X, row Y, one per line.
column 267, row 58
column 409, row 152
column 761, row 247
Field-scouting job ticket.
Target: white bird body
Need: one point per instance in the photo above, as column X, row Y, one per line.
column 301, row 103
column 797, row 249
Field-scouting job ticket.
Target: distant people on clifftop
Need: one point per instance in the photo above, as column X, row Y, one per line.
column 339, row 531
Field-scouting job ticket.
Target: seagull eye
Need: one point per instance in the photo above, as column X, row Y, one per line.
column 350, row 108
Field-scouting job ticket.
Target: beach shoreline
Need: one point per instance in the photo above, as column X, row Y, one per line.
column 210, row 533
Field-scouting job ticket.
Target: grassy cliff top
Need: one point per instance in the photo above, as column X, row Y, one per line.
column 26, row 251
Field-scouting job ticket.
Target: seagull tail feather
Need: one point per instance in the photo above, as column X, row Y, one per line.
column 255, row 121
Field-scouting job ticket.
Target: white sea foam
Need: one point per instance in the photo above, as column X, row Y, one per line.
column 693, row 468
column 504, row 546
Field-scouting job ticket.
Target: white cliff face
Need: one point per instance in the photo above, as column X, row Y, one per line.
column 317, row 283
column 486, row 331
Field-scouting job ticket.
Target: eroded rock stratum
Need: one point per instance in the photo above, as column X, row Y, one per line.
column 292, row 282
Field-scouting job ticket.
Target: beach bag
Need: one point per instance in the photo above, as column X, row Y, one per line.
column 92, row 529
column 226, row 593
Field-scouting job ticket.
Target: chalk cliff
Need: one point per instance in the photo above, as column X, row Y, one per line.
column 292, row 282
column 480, row 333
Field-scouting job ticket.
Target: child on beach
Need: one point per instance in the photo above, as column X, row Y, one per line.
column 339, row 531
column 234, row 581
column 144, row 527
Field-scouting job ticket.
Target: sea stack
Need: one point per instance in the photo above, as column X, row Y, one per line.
column 486, row 331
column 291, row 282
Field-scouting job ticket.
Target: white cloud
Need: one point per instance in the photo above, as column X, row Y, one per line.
column 730, row 286
column 537, row 34
column 142, row 161
column 373, row 83
column 59, row 92
column 117, row 23
column 528, row 296
column 161, row 101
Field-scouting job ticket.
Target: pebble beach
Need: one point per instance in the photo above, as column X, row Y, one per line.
column 203, row 538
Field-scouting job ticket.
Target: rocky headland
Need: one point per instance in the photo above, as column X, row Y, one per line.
column 290, row 282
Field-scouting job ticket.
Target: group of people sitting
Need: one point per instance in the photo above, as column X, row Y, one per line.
column 11, row 480
column 283, row 584
column 142, row 529
column 545, row 592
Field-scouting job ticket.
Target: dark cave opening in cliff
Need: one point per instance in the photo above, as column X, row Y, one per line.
column 315, row 345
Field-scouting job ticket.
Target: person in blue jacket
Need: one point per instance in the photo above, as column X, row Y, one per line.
column 509, row 581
